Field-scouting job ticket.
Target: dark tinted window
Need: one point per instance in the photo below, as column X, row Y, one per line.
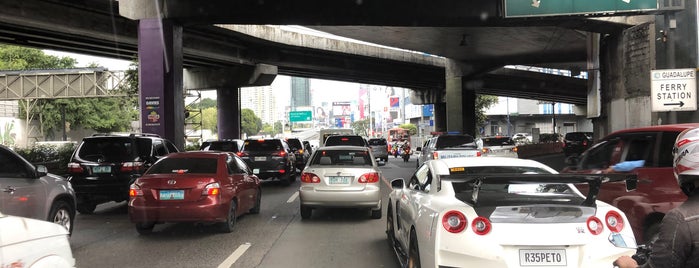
column 227, row 146
column 342, row 157
column 144, row 147
column 262, row 145
column 377, row 142
column 497, row 141
column 578, row 136
column 665, row 150
column 455, row 141
column 11, row 166
column 184, row 165
column 345, row 140
column 294, row 144
column 108, row 149
column 599, row 156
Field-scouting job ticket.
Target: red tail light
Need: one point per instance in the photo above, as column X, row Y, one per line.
column 563, row 144
column 135, row 190
column 212, row 189
column 435, row 155
column 241, row 154
column 594, row 225
column 75, row 168
column 369, row 178
column 614, row 221
column 585, row 143
column 481, row 226
column 479, row 153
column 454, row 221
column 309, row 178
column 280, row 153
column 344, row 139
column 131, row 166
column 282, row 171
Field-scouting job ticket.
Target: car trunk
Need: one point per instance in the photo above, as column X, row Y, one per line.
column 175, row 187
column 340, row 179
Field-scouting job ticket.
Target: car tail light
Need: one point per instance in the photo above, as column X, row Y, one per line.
column 485, row 150
column 135, row 190
column 301, row 151
column 479, row 153
column 515, row 149
column 75, row 168
column 594, row 225
column 563, row 144
column 309, row 178
column 614, row 221
column 435, row 155
column 131, row 166
column 241, row 154
column 584, row 143
column 454, row 221
column 344, row 139
column 280, row 153
column 369, row 177
column 481, row 226
column 212, row 189
column 282, row 171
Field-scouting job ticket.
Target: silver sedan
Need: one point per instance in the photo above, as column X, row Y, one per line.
column 341, row 176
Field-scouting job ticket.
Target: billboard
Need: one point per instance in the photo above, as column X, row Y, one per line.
column 342, row 108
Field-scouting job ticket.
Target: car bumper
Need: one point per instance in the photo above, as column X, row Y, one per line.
column 207, row 210
column 370, row 197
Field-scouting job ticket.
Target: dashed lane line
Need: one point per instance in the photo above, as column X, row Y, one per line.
column 293, row 197
column 234, row 256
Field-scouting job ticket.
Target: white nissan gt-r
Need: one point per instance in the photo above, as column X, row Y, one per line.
column 503, row 212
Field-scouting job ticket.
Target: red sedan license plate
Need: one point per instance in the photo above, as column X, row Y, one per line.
column 542, row 257
column 171, row 194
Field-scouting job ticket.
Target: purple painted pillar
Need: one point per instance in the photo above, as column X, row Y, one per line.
column 160, row 79
column 228, row 104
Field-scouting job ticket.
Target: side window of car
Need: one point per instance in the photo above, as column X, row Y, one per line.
column 640, row 147
column 667, row 142
column 418, row 179
column 231, row 165
column 599, row 156
column 11, row 167
column 170, row 147
column 159, row 148
column 242, row 166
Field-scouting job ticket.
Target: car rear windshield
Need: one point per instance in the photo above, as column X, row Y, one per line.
column 577, row 136
column 108, row 149
column 228, row 146
column 262, row 145
column 294, row 144
column 377, row 142
column 455, row 141
column 342, row 157
column 345, row 140
column 497, row 141
column 184, row 165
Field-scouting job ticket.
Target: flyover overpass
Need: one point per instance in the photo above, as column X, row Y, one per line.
column 473, row 35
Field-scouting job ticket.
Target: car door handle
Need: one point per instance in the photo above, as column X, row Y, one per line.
column 9, row 189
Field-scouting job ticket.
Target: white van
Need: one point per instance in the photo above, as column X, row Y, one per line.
column 325, row 133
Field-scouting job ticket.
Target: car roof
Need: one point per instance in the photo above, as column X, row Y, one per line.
column 442, row 165
column 342, row 147
column 671, row 127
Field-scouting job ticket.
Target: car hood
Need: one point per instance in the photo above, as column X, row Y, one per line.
column 18, row 229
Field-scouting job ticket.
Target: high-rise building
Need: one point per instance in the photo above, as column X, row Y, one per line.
column 300, row 92
column 262, row 101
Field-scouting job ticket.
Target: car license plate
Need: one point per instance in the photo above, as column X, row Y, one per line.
column 256, row 171
column 542, row 257
column 101, row 169
column 171, row 194
column 260, row 158
column 339, row 180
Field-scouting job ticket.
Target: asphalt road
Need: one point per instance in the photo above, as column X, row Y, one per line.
column 277, row 237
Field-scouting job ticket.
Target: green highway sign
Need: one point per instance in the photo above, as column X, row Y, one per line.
column 540, row 8
column 300, row 116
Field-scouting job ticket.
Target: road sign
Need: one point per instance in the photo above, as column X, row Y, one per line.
column 300, row 116
column 395, row 102
column 540, row 8
column 673, row 90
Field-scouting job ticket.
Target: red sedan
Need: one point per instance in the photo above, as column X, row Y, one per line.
column 203, row 186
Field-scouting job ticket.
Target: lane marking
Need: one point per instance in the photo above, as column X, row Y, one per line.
column 293, row 197
column 234, row 256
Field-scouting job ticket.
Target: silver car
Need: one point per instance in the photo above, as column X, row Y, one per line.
column 341, row 176
column 379, row 147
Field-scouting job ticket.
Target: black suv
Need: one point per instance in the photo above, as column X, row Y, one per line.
column 351, row 140
column 300, row 152
column 104, row 165
column 270, row 158
column 574, row 143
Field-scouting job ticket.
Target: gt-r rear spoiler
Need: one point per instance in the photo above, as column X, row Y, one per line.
column 593, row 180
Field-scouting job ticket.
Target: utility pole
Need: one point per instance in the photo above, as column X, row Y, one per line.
column 669, row 38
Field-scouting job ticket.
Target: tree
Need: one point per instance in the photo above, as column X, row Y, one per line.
column 209, row 119
column 483, row 102
column 204, row 103
column 412, row 128
column 361, row 127
column 278, row 127
column 250, row 124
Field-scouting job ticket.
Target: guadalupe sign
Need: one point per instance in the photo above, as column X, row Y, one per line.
column 673, row 90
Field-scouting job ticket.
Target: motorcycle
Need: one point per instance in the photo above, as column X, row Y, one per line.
column 406, row 153
column 395, row 151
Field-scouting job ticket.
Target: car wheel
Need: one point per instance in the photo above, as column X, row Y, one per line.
column 86, row 208
column 62, row 214
column 390, row 230
column 650, row 233
column 145, row 228
column 413, row 252
column 228, row 225
column 306, row 212
column 258, row 201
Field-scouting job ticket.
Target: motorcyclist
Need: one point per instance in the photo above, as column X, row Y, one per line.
column 677, row 244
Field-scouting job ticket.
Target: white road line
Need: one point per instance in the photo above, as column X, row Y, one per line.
column 234, row 256
column 293, row 197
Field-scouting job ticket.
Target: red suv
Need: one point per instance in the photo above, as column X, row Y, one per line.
column 657, row 191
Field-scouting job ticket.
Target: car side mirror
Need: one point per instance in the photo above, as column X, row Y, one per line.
column 418, row 149
column 41, row 170
column 398, row 184
column 631, row 184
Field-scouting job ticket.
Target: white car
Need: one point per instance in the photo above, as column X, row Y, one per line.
column 26, row 242
column 502, row 212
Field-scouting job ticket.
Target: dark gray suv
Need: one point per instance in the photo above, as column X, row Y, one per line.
column 270, row 159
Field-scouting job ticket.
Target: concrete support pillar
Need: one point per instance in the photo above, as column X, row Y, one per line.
column 440, row 117
column 228, row 117
column 160, row 79
column 461, row 102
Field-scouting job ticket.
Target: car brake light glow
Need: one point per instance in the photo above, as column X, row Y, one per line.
column 454, row 221
column 131, row 166
column 282, row 171
column 514, row 149
column 309, row 178
column 280, row 153
column 135, row 190
column 212, row 189
column 614, row 221
column 344, row 139
column 369, row 178
column 479, row 153
column 485, row 150
column 594, row 225
column 240, row 154
column 435, row 155
column 75, row 168
column 301, row 151
column 481, row 226
column 584, row 143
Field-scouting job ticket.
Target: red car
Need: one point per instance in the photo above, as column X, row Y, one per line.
column 202, row 186
column 657, row 191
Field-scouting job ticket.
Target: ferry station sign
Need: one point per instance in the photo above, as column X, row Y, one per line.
column 673, row 90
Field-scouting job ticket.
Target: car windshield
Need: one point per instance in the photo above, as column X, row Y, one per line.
column 184, row 166
column 294, row 144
